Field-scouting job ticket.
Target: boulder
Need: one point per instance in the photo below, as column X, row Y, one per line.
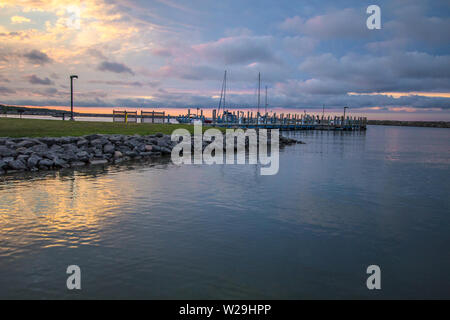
column 60, row 163
column 82, row 142
column 18, row 165
column 117, row 154
column 23, row 157
column 99, row 142
column 45, row 163
column 56, row 148
column 33, row 161
column 98, row 162
column 39, row 148
column 82, row 156
column 77, row 164
column 26, row 144
column 7, row 152
column 93, row 137
column 108, row 148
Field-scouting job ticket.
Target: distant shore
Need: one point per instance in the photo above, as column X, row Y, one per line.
column 17, row 110
column 427, row 124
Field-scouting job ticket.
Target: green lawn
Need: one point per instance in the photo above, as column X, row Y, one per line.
column 10, row 127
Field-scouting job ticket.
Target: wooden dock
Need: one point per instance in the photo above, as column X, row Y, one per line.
column 241, row 119
column 289, row 121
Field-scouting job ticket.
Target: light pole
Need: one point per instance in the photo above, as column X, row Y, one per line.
column 71, row 95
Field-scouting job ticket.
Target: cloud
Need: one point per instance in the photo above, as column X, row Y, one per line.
column 412, row 24
column 162, row 52
column 33, row 79
column 346, row 23
column 19, row 19
column 118, row 83
column 6, row 91
column 37, row 57
column 3, row 79
column 114, row 67
column 238, row 50
column 300, row 46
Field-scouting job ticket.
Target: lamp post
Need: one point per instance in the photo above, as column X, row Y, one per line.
column 71, row 95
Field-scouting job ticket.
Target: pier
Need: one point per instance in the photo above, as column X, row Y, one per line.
column 248, row 119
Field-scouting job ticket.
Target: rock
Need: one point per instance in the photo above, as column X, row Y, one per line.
column 48, row 141
column 26, row 144
column 8, row 159
column 116, row 139
column 133, row 143
column 60, row 163
column 146, row 154
column 131, row 153
column 39, row 148
column 82, row 156
column 77, row 164
column 99, row 142
column 3, row 164
column 50, row 155
column 69, row 156
column 23, row 157
column 159, row 135
column 117, row 154
column 33, row 161
column 82, row 142
column 18, row 165
column 123, row 148
column 165, row 150
column 93, row 137
column 7, row 152
column 98, row 162
column 70, row 147
column 22, row 150
column 148, row 147
column 108, row 148
column 56, row 148
column 45, row 163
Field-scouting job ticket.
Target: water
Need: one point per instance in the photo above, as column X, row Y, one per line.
column 340, row 203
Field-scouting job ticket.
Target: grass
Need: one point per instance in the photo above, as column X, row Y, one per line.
column 10, row 127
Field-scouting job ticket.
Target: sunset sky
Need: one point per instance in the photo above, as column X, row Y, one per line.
column 172, row 53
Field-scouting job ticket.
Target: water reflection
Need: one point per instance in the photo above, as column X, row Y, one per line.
column 155, row 230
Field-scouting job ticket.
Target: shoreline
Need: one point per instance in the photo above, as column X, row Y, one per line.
column 54, row 153
column 422, row 124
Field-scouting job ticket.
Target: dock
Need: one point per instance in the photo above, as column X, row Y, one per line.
column 248, row 119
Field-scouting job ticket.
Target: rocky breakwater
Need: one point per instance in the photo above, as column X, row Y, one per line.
column 33, row 154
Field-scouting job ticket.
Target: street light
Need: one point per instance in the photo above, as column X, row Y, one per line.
column 71, row 95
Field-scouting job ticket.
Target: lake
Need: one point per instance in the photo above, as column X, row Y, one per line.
column 340, row 202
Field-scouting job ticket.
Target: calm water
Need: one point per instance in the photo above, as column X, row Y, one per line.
column 340, row 203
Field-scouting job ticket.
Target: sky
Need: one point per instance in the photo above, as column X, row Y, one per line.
column 173, row 53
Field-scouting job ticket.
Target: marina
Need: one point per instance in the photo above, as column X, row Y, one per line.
column 242, row 119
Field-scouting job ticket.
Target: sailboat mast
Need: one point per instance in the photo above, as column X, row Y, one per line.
column 266, row 100
column 259, row 89
column 225, row 88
